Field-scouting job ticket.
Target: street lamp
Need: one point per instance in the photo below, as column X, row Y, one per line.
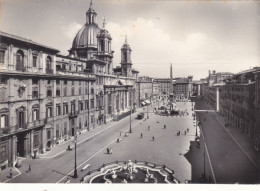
column 147, row 112
column 196, row 130
column 130, row 128
column 75, row 168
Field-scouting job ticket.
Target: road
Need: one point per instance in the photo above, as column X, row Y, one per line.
column 167, row 148
column 229, row 162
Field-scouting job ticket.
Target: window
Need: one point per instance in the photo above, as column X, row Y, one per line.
column 92, row 90
column 49, row 81
column 58, row 109
column 48, row 134
column 3, row 152
column 79, row 82
column 58, row 82
column 86, row 104
column 57, row 92
column 65, row 92
column 35, row 81
column 80, row 106
column 65, row 108
column 21, row 117
column 92, row 119
column 35, row 94
column 35, row 140
column 72, row 91
column 72, row 82
column 48, row 65
column 3, row 81
column 49, row 111
column 35, row 114
column 65, row 82
column 91, row 103
column 57, row 134
column 4, row 120
column 19, row 60
column 79, row 91
column 86, row 90
column 49, row 93
column 2, row 56
column 34, row 61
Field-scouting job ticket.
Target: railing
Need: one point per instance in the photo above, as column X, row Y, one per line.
column 49, row 71
column 17, row 128
column 73, row 114
column 21, row 68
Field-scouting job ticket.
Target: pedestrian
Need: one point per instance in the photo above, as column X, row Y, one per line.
column 190, row 147
column 148, row 127
column 185, row 132
column 108, row 151
column 141, row 135
column 198, row 144
column 153, row 138
column 120, row 133
column 188, row 130
column 209, row 179
column 67, row 181
column 29, row 169
column 11, row 174
column 164, row 126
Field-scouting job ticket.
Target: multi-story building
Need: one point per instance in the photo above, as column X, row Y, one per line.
column 155, row 91
column 182, row 88
column 164, row 87
column 257, row 109
column 237, row 99
column 46, row 98
column 144, row 90
column 217, row 78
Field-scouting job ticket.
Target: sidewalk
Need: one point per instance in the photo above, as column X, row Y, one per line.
column 245, row 142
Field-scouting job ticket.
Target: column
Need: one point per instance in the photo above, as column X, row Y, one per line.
column 13, row 150
column 217, row 99
column 42, row 140
column 31, row 143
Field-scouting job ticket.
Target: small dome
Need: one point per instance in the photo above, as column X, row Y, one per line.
column 86, row 37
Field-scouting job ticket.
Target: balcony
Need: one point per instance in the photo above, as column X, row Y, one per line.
column 49, row 71
column 73, row 114
column 21, row 68
column 99, row 108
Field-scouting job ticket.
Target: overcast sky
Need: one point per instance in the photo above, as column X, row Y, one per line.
column 195, row 36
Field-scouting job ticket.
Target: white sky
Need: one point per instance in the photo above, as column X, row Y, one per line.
column 196, row 36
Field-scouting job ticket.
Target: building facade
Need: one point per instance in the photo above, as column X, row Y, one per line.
column 237, row 99
column 47, row 98
column 144, row 90
column 182, row 88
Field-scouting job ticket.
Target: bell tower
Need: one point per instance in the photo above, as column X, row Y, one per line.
column 126, row 63
column 104, row 52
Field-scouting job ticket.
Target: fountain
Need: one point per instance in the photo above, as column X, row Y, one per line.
column 131, row 172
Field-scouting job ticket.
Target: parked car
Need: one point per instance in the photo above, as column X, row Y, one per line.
column 140, row 116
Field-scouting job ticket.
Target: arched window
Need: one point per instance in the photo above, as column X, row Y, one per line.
column 102, row 45
column 20, row 60
column 65, row 91
column 21, row 117
column 48, row 65
column 4, row 117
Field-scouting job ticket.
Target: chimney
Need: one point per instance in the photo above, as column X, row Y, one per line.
column 214, row 72
column 209, row 72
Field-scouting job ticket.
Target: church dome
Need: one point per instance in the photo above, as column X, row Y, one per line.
column 86, row 37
